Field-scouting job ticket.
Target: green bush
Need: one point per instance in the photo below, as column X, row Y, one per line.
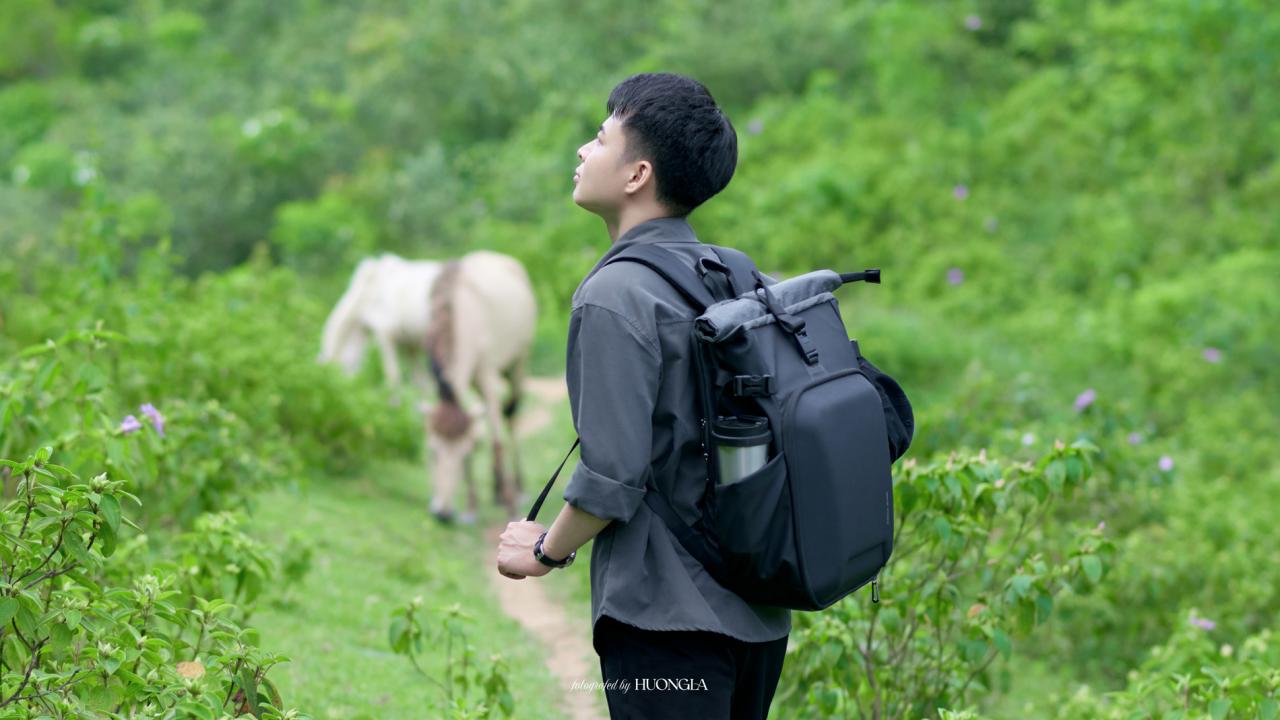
column 972, row 569
column 83, row 636
column 327, row 235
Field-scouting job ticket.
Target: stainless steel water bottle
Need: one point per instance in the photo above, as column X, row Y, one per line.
column 742, row 443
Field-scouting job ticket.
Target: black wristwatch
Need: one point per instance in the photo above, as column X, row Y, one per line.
column 537, row 552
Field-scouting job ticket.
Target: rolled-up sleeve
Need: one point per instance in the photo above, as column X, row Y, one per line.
column 613, row 371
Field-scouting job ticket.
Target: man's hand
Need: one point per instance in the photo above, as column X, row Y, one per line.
column 515, row 551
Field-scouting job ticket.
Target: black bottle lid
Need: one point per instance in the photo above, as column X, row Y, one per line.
column 741, row 430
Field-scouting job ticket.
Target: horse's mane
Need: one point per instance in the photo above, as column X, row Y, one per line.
column 449, row 420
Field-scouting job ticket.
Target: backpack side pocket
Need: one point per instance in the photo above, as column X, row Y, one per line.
column 754, row 528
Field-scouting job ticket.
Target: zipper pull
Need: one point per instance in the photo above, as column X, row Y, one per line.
column 875, row 588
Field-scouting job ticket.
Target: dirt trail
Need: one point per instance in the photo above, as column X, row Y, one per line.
column 570, row 656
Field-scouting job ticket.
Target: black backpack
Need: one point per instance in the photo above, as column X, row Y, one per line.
column 815, row 522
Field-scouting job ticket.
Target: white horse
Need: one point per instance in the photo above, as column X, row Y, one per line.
column 387, row 302
column 483, row 314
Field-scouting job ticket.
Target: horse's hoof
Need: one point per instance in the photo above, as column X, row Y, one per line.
column 444, row 518
column 467, row 518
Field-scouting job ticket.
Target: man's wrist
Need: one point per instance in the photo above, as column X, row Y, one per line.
column 539, row 552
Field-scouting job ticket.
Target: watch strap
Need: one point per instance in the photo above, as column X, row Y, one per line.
column 542, row 558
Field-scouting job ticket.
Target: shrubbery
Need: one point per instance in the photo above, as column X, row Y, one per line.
column 85, row 635
column 186, row 398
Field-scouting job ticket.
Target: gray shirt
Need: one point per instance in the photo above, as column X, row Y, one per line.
column 632, row 394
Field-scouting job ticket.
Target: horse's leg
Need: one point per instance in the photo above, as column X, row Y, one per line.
column 515, row 378
column 473, row 502
column 491, row 390
column 390, row 360
column 351, row 350
column 421, row 376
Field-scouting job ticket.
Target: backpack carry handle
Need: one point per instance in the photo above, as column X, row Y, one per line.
column 871, row 275
column 706, row 266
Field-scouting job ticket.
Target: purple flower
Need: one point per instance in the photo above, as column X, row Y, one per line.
column 154, row 415
column 1085, row 399
column 990, row 224
column 130, row 424
column 1166, row 463
column 755, row 127
column 1028, row 439
column 1212, row 354
column 973, row 23
column 955, row 276
column 1135, row 438
column 960, row 191
column 1202, row 623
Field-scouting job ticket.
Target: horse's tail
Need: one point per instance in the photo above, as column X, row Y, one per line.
column 343, row 321
column 439, row 339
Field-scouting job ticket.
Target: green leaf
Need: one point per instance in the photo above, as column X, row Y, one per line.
column 60, row 635
column 109, row 507
column 398, row 636
column 274, row 694
column 1218, row 708
column 1044, row 607
column 26, row 621
column 14, row 654
column 1268, row 709
column 8, row 608
column 1020, row 584
column 974, row 650
column 1001, row 640
column 73, row 543
column 199, row 710
column 34, row 350
column 906, row 496
column 953, row 486
column 1092, row 567
column 1055, row 475
column 107, row 541
column 250, row 688
column 1075, row 470
column 942, row 527
column 106, row 697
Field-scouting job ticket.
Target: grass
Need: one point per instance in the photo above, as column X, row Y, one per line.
column 375, row 548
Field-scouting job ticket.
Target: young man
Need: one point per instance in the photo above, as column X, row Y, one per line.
column 672, row 642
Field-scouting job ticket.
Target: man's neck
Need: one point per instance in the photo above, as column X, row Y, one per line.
column 628, row 218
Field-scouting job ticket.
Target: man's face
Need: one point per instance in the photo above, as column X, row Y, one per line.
column 601, row 175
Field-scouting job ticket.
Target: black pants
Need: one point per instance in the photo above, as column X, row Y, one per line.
column 678, row 674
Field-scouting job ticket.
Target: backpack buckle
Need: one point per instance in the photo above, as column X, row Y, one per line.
column 753, row 385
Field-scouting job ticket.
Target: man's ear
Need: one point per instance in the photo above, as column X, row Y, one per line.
column 641, row 174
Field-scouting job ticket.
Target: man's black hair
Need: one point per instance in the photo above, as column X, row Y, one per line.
column 673, row 122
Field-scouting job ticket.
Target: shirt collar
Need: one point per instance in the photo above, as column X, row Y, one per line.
column 666, row 230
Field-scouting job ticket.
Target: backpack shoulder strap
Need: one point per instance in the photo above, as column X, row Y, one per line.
column 670, row 267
